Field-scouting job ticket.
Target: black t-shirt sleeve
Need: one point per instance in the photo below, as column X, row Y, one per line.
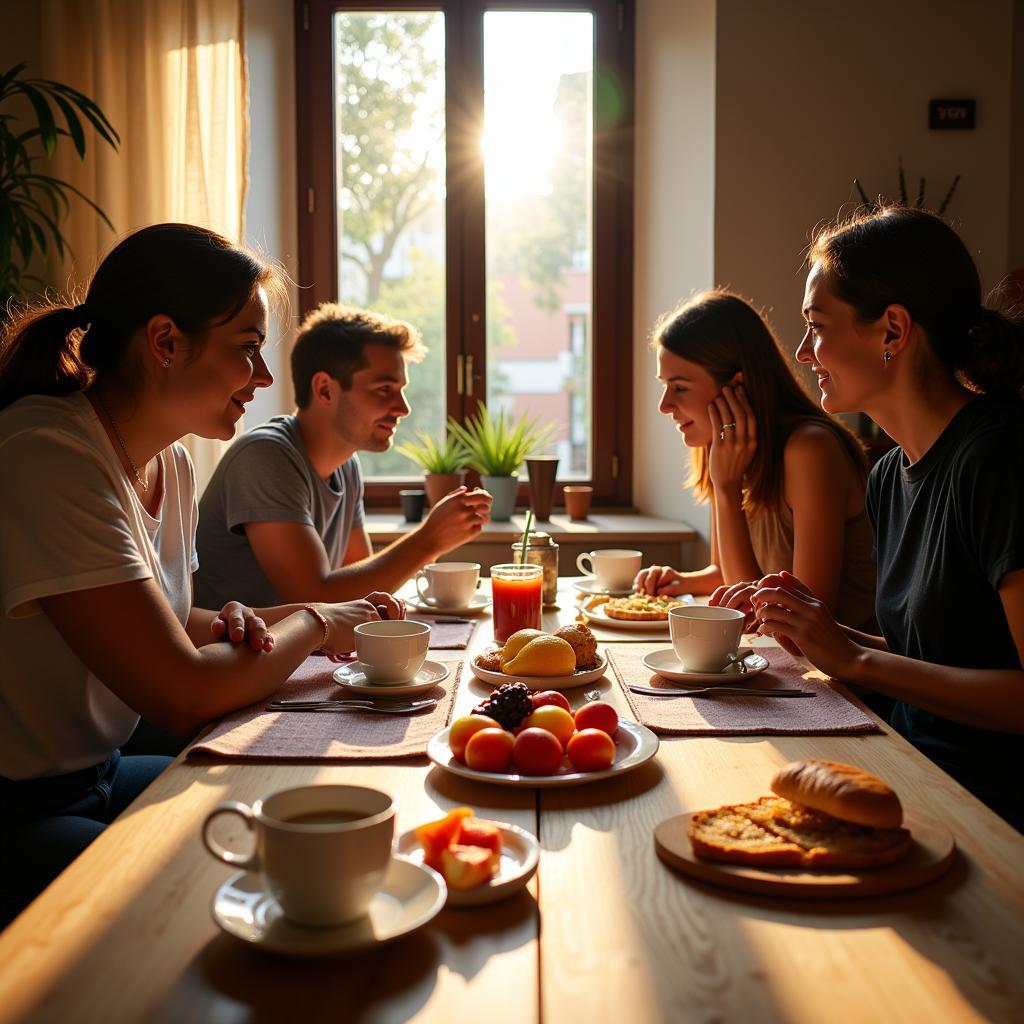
column 990, row 504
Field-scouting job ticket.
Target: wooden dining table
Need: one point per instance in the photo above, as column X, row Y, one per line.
column 605, row 931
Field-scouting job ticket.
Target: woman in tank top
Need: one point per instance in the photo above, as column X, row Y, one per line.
column 785, row 481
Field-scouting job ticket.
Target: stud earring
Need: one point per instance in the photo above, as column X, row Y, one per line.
column 887, row 356
column 167, row 361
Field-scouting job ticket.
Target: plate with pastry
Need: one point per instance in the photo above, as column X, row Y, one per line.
column 828, row 831
column 543, row 661
column 638, row 612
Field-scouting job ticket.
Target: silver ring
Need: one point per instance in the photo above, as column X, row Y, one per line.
column 725, row 427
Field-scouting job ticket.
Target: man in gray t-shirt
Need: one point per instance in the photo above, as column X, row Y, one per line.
column 282, row 518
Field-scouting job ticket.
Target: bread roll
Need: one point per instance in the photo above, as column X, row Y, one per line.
column 841, row 790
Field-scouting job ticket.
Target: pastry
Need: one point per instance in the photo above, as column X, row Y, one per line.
column 641, row 607
column 831, row 816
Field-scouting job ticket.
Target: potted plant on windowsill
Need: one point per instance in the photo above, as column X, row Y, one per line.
column 443, row 465
column 497, row 447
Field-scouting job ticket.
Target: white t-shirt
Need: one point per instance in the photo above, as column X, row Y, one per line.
column 71, row 521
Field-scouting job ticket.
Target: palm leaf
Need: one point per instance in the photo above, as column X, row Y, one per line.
column 47, row 125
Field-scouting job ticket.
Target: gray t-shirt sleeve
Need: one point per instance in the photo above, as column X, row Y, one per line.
column 266, row 483
column 355, row 482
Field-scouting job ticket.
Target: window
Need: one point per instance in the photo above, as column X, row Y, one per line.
column 467, row 166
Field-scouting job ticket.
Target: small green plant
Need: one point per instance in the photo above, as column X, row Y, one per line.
column 904, row 198
column 450, row 456
column 496, row 445
column 32, row 204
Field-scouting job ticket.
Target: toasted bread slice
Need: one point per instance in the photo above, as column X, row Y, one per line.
column 729, row 834
column 774, row 831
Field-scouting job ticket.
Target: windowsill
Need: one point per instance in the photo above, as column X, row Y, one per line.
column 610, row 528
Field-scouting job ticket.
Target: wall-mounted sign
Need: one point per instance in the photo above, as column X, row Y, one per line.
column 951, row 115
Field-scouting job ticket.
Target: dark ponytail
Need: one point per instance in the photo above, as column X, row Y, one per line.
column 195, row 276
column 39, row 354
column 914, row 259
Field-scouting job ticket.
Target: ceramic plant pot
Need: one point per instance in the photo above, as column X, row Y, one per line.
column 439, row 484
column 502, row 490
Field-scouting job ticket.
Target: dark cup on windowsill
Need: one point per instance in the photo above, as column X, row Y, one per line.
column 413, row 502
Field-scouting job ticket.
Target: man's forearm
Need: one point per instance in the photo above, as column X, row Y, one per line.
column 386, row 570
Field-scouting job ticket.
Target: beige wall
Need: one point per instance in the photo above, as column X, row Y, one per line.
column 811, row 94
column 674, row 225
column 1016, row 220
column 270, row 209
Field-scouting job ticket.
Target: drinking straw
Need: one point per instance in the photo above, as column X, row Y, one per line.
column 526, row 535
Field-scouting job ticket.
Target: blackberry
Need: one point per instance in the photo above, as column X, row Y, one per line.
column 508, row 705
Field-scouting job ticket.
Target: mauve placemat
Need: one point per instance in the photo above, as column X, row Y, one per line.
column 255, row 734
column 445, row 636
column 827, row 713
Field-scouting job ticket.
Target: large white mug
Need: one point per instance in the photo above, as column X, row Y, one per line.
column 612, row 568
column 705, row 639
column 323, row 851
column 392, row 650
column 449, row 584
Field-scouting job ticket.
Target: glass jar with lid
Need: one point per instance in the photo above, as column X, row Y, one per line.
column 543, row 551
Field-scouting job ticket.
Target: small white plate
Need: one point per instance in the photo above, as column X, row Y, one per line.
column 412, row 894
column 602, row 618
column 476, row 605
column 588, row 585
column 666, row 664
column 634, row 745
column 520, row 853
column 352, row 678
column 537, row 683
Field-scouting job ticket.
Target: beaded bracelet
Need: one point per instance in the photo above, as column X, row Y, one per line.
column 322, row 619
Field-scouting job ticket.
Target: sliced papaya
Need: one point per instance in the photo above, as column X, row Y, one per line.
column 437, row 836
column 466, row 867
column 480, row 832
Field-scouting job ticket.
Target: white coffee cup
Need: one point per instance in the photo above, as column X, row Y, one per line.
column 392, row 650
column 323, row 851
column 705, row 639
column 449, row 584
column 612, row 568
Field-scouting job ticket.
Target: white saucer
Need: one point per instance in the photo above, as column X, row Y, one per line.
column 666, row 664
column 591, row 586
column 476, row 605
column 411, row 896
column 520, row 854
column 352, row 677
column 537, row 683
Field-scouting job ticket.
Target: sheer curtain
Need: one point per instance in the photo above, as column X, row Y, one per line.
column 171, row 76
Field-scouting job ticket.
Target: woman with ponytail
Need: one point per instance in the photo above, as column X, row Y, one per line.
column 896, row 327
column 97, row 539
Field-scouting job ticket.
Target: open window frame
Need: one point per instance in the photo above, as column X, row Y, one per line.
column 465, row 319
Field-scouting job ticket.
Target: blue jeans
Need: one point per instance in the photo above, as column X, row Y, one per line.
column 46, row 823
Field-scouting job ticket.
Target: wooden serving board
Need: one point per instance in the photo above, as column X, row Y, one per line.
column 930, row 855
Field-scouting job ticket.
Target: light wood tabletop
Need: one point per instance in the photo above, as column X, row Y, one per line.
column 606, row 932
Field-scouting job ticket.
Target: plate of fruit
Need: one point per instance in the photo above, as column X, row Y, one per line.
column 519, row 738
column 481, row 861
column 543, row 661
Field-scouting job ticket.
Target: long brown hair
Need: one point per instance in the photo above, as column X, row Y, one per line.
column 724, row 334
column 195, row 276
column 912, row 258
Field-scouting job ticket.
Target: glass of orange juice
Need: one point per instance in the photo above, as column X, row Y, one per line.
column 516, row 592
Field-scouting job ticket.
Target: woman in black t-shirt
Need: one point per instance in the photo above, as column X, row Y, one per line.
column 896, row 328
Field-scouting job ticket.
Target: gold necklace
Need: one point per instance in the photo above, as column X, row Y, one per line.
column 120, row 440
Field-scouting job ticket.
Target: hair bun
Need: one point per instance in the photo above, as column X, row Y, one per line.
column 841, row 790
